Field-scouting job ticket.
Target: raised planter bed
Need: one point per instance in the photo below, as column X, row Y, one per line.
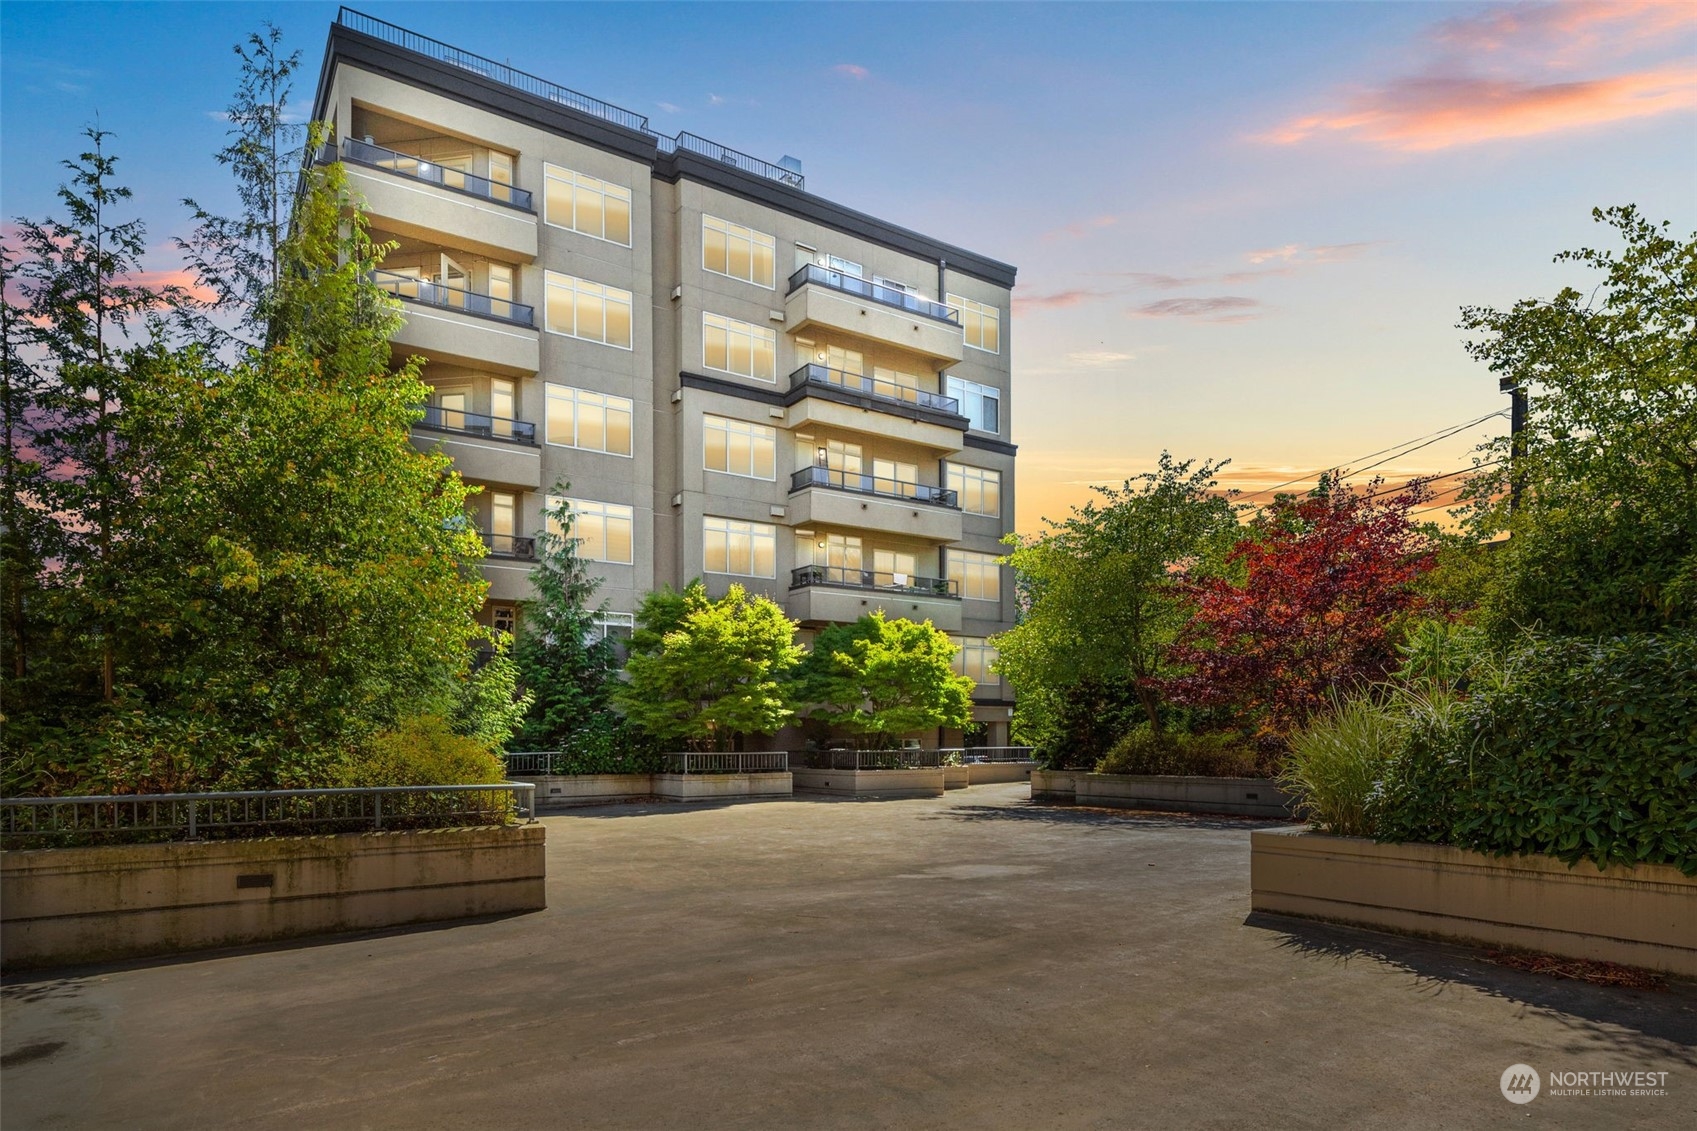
column 1640, row 916
column 957, row 777
column 721, row 787
column 990, row 773
column 1243, row 797
column 562, row 791
column 920, row 782
column 63, row 906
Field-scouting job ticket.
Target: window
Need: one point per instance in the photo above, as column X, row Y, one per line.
column 895, row 384
column 586, row 204
column 978, row 575
column 737, row 447
column 893, row 477
column 980, row 404
column 836, row 551
column 974, row 658
column 980, row 325
column 596, row 422
column 845, row 266
column 979, row 488
column 501, row 282
column 611, row 626
column 731, row 249
column 504, row 618
column 892, row 567
column 737, row 347
column 503, row 516
column 581, row 309
column 746, row 548
column 602, row 530
column 845, row 361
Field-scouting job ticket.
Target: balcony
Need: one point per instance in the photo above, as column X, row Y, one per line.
column 819, row 296
column 441, row 419
column 515, row 546
column 411, row 288
column 887, row 391
column 870, row 502
column 830, row 594
column 877, row 485
column 462, row 327
column 485, row 449
column 417, row 168
column 829, row 398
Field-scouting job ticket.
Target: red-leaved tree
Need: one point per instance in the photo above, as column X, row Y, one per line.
column 1308, row 602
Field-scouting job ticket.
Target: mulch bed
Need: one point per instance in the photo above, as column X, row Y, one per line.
column 1580, row 970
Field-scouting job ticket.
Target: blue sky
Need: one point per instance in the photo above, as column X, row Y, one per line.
column 1242, row 230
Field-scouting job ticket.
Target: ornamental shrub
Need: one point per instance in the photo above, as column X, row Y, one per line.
column 424, row 750
column 1203, row 755
column 1583, row 749
column 1337, row 760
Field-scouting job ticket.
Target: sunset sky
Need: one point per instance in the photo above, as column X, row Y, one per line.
column 1242, row 230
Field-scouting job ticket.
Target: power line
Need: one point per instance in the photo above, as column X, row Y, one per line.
column 1422, row 441
column 1433, row 479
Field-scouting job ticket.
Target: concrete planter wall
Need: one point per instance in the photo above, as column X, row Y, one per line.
column 555, row 791
column 1641, row 916
column 60, row 906
column 990, row 773
column 957, row 777
column 717, row 787
column 884, row 783
column 1244, row 797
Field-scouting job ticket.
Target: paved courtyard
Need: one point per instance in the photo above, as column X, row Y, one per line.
column 967, row 961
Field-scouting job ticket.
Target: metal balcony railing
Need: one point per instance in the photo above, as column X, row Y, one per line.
column 816, row 374
column 423, row 291
column 877, row 292
column 751, row 762
column 477, row 424
column 907, row 584
column 882, row 486
column 27, row 822
column 423, row 169
column 509, row 545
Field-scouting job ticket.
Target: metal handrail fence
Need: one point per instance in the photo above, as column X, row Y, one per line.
column 414, row 289
column 479, row 424
column 815, row 374
column 146, row 817
column 749, row 762
column 530, row 761
column 430, row 172
column 509, row 545
column 877, row 292
column 994, row 753
column 870, row 759
column 803, row 577
column 864, row 483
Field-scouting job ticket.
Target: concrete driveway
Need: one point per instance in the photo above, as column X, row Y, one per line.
column 967, row 961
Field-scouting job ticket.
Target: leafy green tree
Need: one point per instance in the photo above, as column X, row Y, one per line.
column 488, row 706
column 560, row 661
column 1604, row 539
column 1103, row 594
column 720, row 673
column 884, row 679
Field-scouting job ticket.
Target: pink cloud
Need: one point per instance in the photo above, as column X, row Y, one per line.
column 1221, row 308
column 1081, row 228
column 851, row 70
column 1057, row 301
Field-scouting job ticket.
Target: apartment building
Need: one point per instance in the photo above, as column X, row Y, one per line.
column 728, row 377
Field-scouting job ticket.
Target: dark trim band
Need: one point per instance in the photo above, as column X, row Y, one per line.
column 1001, row 447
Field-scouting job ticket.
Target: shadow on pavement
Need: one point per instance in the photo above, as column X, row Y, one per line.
column 1601, row 1019
column 1079, row 816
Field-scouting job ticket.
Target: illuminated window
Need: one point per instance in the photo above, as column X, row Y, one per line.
column 737, row 447
column 979, row 488
column 579, row 308
column 738, row 347
column 746, row 548
column 603, row 531
column 980, row 325
column 585, row 204
column 731, row 249
column 978, row 575
column 974, row 658
column 596, row 422
column 980, row 404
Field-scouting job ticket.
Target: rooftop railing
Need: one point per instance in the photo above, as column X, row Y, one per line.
column 815, row 374
column 477, row 424
column 413, row 289
column 422, row 169
column 509, row 545
column 843, row 578
column 877, row 292
column 554, row 92
column 879, row 485
column 150, row 817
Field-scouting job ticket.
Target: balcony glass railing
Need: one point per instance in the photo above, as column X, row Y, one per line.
column 843, row 578
column 477, row 424
column 815, row 374
column 413, row 289
column 880, row 485
column 509, row 545
column 421, row 169
column 877, row 292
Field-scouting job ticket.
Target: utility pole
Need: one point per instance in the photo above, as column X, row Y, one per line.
column 1516, row 438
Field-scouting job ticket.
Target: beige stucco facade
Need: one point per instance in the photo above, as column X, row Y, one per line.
column 711, row 285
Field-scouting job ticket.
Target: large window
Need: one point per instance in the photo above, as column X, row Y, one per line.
column 586, row 204
column 980, row 325
column 737, row 347
column 980, row 404
column 979, row 488
column 596, row 422
column 582, row 309
column 737, row 447
column 731, row 249
column 978, row 575
column 603, row 530
column 610, row 626
column 974, row 658
column 746, row 548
